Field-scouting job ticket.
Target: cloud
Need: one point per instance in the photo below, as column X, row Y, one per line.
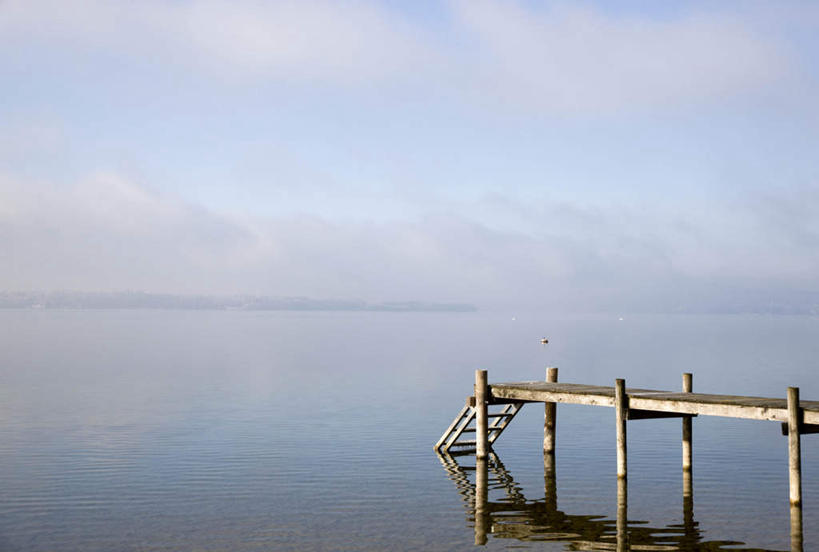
column 572, row 58
column 107, row 232
column 558, row 58
column 319, row 40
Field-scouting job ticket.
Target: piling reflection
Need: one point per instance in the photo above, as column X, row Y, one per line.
column 796, row 528
column 622, row 515
column 497, row 507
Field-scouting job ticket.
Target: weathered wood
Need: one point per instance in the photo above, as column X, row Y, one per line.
column 454, row 423
column 732, row 406
column 481, row 418
column 550, row 418
column 794, row 447
column 470, row 401
column 499, row 424
column 459, row 429
column 795, row 468
column 687, row 450
column 621, row 417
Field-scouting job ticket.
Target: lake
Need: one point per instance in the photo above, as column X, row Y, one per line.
column 222, row 430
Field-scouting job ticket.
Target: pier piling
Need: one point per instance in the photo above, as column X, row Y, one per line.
column 687, row 459
column 481, row 415
column 794, row 447
column 795, row 467
column 621, row 416
column 549, row 425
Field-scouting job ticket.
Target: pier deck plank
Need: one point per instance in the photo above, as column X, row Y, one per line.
column 732, row 406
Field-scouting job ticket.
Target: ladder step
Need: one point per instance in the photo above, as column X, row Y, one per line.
column 473, row 429
column 500, row 414
column 464, row 444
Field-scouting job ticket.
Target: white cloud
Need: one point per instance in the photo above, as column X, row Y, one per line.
column 106, row 232
column 319, row 40
column 555, row 59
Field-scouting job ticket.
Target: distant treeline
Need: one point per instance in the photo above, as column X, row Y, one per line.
column 143, row 300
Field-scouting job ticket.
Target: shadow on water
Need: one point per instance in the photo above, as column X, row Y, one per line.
column 514, row 517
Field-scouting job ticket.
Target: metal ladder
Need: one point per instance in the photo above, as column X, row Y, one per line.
column 464, row 422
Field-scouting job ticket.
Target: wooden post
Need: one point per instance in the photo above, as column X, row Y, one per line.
column 549, row 426
column 795, row 467
column 794, row 447
column 621, row 415
column 687, row 460
column 481, row 418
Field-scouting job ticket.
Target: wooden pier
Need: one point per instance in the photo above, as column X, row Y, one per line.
column 797, row 417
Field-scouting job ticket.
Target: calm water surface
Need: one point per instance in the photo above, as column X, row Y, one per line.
column 147, row 430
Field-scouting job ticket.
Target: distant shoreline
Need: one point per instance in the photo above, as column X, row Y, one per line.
column 137, row 300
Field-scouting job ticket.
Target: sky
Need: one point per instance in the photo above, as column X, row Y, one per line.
column 567, row 156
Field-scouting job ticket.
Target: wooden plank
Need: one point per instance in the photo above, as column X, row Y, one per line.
column 732, row 406
column 571, row 393
column 470, row 401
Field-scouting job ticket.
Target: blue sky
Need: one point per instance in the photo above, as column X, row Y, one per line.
column 574, row 156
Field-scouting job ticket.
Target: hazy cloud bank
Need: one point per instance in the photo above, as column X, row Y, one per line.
column 108, row 233
column 165, row 301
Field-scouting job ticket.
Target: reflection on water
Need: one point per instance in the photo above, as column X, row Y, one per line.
column 241, row 431
column 796, row 528
column 496, row 506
